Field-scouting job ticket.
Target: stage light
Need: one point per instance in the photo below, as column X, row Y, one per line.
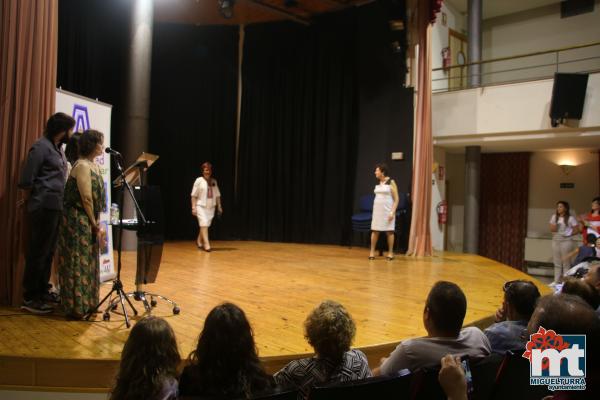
column 226, row 8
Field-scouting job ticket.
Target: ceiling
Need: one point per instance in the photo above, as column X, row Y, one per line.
column 496, row 8
column 527, row 141
column 206, row 12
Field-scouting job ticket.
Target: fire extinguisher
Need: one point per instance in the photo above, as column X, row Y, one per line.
column 442, row 212
column 446, row 62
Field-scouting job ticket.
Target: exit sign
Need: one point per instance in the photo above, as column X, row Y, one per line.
column 567, row 185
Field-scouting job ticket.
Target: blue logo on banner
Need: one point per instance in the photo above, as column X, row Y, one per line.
column 82, row 120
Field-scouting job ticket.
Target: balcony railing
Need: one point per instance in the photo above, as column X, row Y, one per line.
column 519, row 68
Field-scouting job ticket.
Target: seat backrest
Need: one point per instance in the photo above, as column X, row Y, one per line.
column 403, row 200
column 381, row 388
column 424, row 384
column 366, row 202
column 279, row 395
column 484, row 373
column 512, row 380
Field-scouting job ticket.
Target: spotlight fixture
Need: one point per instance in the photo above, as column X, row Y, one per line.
column 226, row 8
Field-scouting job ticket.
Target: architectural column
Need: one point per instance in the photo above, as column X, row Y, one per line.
column 474, row 14
column 472, row 183
column 138, row 95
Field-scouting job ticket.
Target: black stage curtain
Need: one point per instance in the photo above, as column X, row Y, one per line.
column 93, row 38
column 193, row 118
column 298, row 137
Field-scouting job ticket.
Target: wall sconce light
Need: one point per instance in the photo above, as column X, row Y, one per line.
column 567, row 168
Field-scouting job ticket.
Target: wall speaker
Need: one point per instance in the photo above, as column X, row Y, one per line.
column 568, row 97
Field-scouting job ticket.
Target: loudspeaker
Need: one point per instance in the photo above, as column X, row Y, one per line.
column 568, row 96
column 570, row 8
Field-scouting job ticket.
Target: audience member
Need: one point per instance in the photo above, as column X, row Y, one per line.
column 593, row 275
column 588, row 251
column 563, row 227
column 443, row 316
column 593, row 278
column 225, row 362
column 149, row 362
column 569, row 314
column 452, row 378
column 583, row 289
column 330, row 331
column 510, row 330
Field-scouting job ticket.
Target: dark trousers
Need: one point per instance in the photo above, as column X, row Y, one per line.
column 43, row 235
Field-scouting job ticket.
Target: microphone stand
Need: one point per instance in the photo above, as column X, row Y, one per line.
column 117, row 284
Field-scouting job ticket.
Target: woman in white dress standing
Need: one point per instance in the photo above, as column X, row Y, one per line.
column 563, row 227
column 384, row 210
column 205, row 198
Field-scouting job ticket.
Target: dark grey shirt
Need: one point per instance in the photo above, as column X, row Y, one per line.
column 44, row 173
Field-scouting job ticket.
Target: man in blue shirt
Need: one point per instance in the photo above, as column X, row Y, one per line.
column 43, row 180
column 510, row 330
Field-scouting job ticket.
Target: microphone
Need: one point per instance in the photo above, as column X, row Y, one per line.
column 112, row 151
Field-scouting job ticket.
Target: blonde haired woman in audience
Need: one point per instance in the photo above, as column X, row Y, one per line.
column 330, row 331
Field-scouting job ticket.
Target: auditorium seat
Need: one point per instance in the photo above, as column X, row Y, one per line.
column 512, row 381
column 380, row 387
column 425, row 384
column 278, row 395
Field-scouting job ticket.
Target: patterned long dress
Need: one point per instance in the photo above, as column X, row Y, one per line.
column 78, row 269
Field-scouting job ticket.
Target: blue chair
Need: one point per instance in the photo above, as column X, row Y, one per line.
column 361, row 221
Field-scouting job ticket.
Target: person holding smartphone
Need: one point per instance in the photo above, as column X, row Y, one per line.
column 453, row 377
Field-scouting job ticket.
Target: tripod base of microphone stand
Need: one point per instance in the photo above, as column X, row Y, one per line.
column 120, row 294
column 141, row 295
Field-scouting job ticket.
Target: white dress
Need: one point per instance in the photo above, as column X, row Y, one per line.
column 382, row 207
column 206, row 200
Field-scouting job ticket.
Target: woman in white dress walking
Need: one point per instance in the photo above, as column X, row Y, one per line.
column 205, row 198
column 384, row 210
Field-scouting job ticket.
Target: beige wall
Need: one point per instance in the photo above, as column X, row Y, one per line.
column 455, row 190
column 517, row 107
column 439, row 39
column 544, row 189
column 544, row 185
column 538, row 30
column 438, row 193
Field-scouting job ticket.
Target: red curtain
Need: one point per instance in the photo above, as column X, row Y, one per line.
column 503, row 207
column 28, row 38
column 420, row 235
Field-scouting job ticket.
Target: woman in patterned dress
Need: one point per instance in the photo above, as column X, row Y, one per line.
column 80, row 231
column 384, row 210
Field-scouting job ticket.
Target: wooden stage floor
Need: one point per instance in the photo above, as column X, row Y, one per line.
column 276, row 284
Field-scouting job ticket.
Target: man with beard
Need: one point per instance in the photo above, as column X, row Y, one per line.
column 43, row 180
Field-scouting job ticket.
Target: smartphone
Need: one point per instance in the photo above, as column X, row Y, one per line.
column 464, row 360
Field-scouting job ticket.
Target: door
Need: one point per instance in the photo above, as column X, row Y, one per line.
column 457, row 42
